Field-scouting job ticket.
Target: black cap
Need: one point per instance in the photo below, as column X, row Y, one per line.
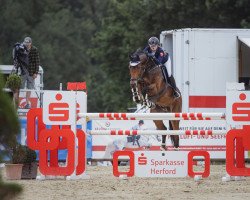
column 141, row 122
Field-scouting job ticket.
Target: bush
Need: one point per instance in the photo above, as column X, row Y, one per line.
column 30, row 156
column 14, row 82
column 22, row 154
column 17, row 154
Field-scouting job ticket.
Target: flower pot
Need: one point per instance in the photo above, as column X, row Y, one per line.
column 29, row 171
column 13, row 171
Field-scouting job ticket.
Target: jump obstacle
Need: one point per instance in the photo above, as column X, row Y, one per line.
column 72, row 135
column 154, row 116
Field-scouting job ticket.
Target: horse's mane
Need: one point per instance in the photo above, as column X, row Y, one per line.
column 139, row 51
column 136, row 54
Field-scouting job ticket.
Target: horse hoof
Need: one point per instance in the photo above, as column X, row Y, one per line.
column 176, row 149
column 146, row 148
column 163, row 148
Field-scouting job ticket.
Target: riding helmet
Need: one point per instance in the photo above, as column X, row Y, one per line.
column 153, row 41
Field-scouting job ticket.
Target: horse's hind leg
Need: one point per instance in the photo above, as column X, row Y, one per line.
column 160, row 126
column 174, row 125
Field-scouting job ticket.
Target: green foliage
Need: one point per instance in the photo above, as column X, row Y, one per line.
column 9, row 127
column 17, row 154
column 30, row 156
column 14, row 82
column 129, row 25
column 9, row 190
column 21, row 154
column 9, row 124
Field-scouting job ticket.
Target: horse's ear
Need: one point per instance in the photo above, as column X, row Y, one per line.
column 130, row 56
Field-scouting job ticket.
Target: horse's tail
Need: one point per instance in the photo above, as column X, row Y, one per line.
column 174, row 140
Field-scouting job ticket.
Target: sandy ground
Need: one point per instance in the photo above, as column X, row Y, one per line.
column 103, row 185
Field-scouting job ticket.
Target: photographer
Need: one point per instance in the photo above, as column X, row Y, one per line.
column 26, row 57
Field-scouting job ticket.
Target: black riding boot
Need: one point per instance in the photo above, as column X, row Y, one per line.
column 173, row 85
column 165, row 73
column 171, row 81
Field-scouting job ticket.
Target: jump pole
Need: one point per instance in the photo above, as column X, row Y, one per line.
column 153, row 116
column 157, row 132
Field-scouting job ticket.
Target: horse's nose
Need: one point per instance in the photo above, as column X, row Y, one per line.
column 133, row 82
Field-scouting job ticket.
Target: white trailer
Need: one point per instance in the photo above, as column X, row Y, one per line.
column 204, row 60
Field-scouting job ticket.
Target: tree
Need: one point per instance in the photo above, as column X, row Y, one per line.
column 9, row 128
column 90, row 40
column 131, row 22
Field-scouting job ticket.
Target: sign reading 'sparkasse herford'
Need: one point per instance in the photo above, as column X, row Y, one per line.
column 161, row 164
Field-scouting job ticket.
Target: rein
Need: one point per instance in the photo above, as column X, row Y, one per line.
column 160, row 93
column 149, row 67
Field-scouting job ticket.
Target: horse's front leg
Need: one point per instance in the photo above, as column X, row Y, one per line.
column 136, row 90
column 146, row 92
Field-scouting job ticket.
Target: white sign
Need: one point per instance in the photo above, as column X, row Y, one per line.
column 161, row 164
column 59, row 108
column 105, row 145
column 81, row 106
column 238, row 108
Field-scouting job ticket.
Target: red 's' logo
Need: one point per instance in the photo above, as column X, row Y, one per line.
column 142, row 160
column 58, row 111
column 241, row 111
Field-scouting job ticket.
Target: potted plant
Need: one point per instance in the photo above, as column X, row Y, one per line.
column 29, row 170
column 17, row 156
column 22, row 163
column 14, row 83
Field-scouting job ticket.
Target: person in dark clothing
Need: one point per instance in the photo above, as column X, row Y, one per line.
column 161, row 58
column 135, row 138
column 26, row 57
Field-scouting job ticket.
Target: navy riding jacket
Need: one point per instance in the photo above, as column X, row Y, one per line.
column 160, row 55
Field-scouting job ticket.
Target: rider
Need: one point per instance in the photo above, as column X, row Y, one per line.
column 161, row 58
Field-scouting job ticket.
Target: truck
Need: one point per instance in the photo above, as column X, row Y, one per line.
column 204, row 60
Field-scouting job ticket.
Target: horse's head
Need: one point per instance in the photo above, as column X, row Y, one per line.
column 137, row 67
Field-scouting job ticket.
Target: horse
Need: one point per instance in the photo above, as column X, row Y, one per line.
column 149, row 88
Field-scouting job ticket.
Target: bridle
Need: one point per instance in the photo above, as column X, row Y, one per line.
column 148, row 66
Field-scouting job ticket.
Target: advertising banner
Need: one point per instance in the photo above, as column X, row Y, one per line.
column 105, row 145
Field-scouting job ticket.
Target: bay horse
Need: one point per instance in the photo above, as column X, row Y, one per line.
column 149, row 88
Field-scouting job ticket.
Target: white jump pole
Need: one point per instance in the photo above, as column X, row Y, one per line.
column 157, row 132
column 153, row 116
